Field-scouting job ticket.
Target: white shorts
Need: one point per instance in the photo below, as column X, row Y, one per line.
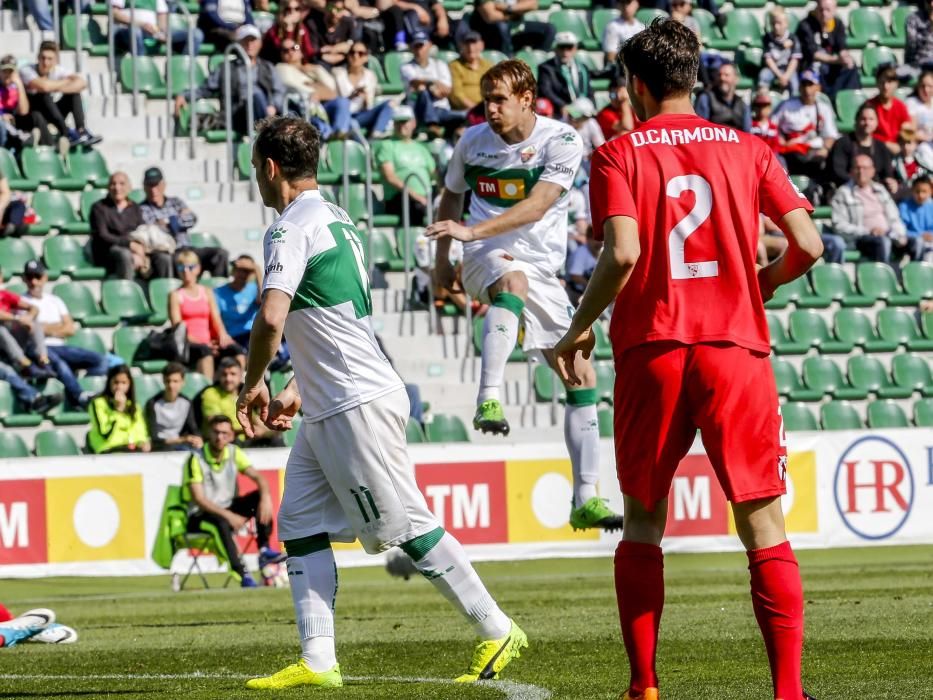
column 350, row 476
column 548, row 310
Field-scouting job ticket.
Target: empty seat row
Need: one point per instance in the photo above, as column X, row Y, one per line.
column 842, row 415
column 864, row 375
column 851, row 329
column 875, row 282
column 43, row 165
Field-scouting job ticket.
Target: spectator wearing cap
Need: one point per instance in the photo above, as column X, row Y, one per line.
column 781, row 54
column 466, row 71
column 21, row 336
column 892, row 113
column 113, row 219
column 861, row 141
column 219, row 20
column 268, row 90
column 16, row 120
column 617, row 117
column 55, row 93
column 399, row 157
column 12, row 211
column 918, row 46
column 496, row 19
column 358, row 85
column 806, row 128
column 824, row 49
column 721, row 104
column 621, row 29
column 427, row 86
column 762, row 125
column 864, row 212
column 563, row 77
column 149, row 20
column 173, row 216
column 57, row 326
column 581, row 113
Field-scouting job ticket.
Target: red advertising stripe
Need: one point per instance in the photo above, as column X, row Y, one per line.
column 468, row 499
column 696, row 505
column 22, row 522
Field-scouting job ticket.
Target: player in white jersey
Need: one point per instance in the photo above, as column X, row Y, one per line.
column 349, row 475
column 519, row 167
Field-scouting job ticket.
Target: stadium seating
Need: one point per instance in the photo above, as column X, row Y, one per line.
column 840, row 415
column 445, row 428
column 12, row 446
column 55, row 443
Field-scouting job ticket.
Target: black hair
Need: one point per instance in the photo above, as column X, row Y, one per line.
column 291, row 143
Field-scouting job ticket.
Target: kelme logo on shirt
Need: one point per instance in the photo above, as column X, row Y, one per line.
column 488, row 187
column 277, row 235
column 569, row 137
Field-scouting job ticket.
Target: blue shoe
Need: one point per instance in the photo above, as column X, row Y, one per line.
column 248, row 582
column 267, row 555
column 25, row 626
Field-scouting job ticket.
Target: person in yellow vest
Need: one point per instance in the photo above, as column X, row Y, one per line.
column 117, row 422
column 209, row 486
column 219, row 399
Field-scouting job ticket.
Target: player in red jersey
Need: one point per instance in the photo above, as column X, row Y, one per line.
column 677, row 201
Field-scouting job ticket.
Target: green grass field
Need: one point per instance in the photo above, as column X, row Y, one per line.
column 869, row 622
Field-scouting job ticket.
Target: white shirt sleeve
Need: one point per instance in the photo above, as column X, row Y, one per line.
column 409, row 72
column 611, row 37
column 442, row 73
column 28, row 73
column 563, row 153
column 455, row 179
column 827, row 121
column 285, row 250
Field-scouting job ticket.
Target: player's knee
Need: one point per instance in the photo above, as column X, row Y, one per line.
column 514, row 283
column 760, row 523
column 643, row 525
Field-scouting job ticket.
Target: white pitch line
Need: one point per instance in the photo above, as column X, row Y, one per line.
column 510, row 689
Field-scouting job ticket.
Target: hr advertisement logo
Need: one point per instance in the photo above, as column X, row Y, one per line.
column 874, row 488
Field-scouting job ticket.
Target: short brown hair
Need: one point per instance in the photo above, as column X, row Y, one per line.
column 292, row 143
column 517, row 74
column 665, row 57
column 48, row 46
column 218, row 419
column 885, row 73
column 173, row 368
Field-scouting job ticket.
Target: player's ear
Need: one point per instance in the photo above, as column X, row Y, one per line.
column 271, row 169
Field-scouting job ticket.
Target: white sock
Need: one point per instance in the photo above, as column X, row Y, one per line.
column 313, row 581
column 581, row 433
column 447, row 567
column 500, row 331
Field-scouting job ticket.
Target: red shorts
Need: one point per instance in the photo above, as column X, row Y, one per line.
column 665, row 391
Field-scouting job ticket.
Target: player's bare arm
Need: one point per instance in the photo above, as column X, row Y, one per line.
column 265, row 339
column 613, row 268
column 450, row 208
column 804, row 248
column 543, row 196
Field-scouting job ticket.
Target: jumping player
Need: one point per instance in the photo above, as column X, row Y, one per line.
column 519, row 167
column 349, row 475
column 678, row 201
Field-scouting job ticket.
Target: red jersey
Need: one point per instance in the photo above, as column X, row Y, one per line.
column 9, row 301
column 695, row 189
column 890, row 119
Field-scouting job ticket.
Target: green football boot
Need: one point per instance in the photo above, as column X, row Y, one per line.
column 296, row 675
column 490, row 418
column 594, row 513
column 490, row 657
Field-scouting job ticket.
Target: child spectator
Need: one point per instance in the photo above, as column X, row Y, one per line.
column 762, row 125
column 16, row 121
column 170, row 416
column 917, row 213
column 892, row 113
column 117, row 423
column 781, row 54
column 621, row 29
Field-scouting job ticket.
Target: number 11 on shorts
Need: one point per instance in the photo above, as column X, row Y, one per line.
column 364, row 492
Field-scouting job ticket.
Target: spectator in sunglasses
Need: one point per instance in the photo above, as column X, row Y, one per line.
column 289, row 30
column 358, row 84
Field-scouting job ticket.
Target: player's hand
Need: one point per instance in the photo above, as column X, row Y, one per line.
column 283, row 409
column 252, row 402
column 449, row 229
column 565, row 353
column 264, row 513
column 236, row 521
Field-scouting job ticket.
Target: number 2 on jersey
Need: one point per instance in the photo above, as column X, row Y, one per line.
column 695, row 218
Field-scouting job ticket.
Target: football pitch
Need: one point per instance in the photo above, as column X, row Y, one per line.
column 869, row 633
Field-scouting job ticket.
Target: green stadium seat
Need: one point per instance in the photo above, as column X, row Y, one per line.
column 602, row 16
column 63, row 414
column 126, row 340
column 873, row 57
column 918, row 279
column 742, row 29
column 90, row 165
column 64, row 255
column 547, row 384
column 385, row 85
column 748, row 60
column 87, row 339
column 125, row 300
column 847, row 104
column 598, row 84
column 606, row 421
column 43, row 163
column 886, row 414
column 831, row 281
column 926, row 325
column 279, row 380
column 605, row 381
column 897, row 325
column 414, row 433
column 854, row 326
column 808, row 327
column 535, row 57
column 333, row 158
column 574, row 21
column 913, row 372
column 159, row 290
column 12, row 414
column 823, row 375
column 149, row 80
column 195, row 382
column 181, row 74
column 494, row 56
column 445, row 428
column 55, row 443
column 393, row 62
column 797, row 292
column 382, row 251
column 798, row 416
column 789, row 384
column 897, row 37
column 865, row 26
column 709, row 30
column 877, row 281
column 646, row 15
column 603, row 348
column 244, row 165
column 12, row 445
column 14, row 254
column 205, row 240
column 780, row 342
column 866, row 372
column 92, row 385
column 88, row 199
column 146, row 386
column 923, row 413
column 10, row 169
column 56, row 212
column 840, row 415
column 82, row 306
column 93, row 35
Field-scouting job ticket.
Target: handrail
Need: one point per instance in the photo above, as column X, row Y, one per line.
column 56, row 22
column 112, row 59
column 406, row 227
column 170, row 101
column 133, row 57
column 368, row 179
column 228, row 109
column 79, row 38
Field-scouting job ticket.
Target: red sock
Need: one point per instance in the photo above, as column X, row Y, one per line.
column 5, row 614
column 777, row 597
column 639, row 572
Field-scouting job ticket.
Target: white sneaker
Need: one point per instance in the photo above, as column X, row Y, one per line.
column 27, row 625
column 55, row 634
